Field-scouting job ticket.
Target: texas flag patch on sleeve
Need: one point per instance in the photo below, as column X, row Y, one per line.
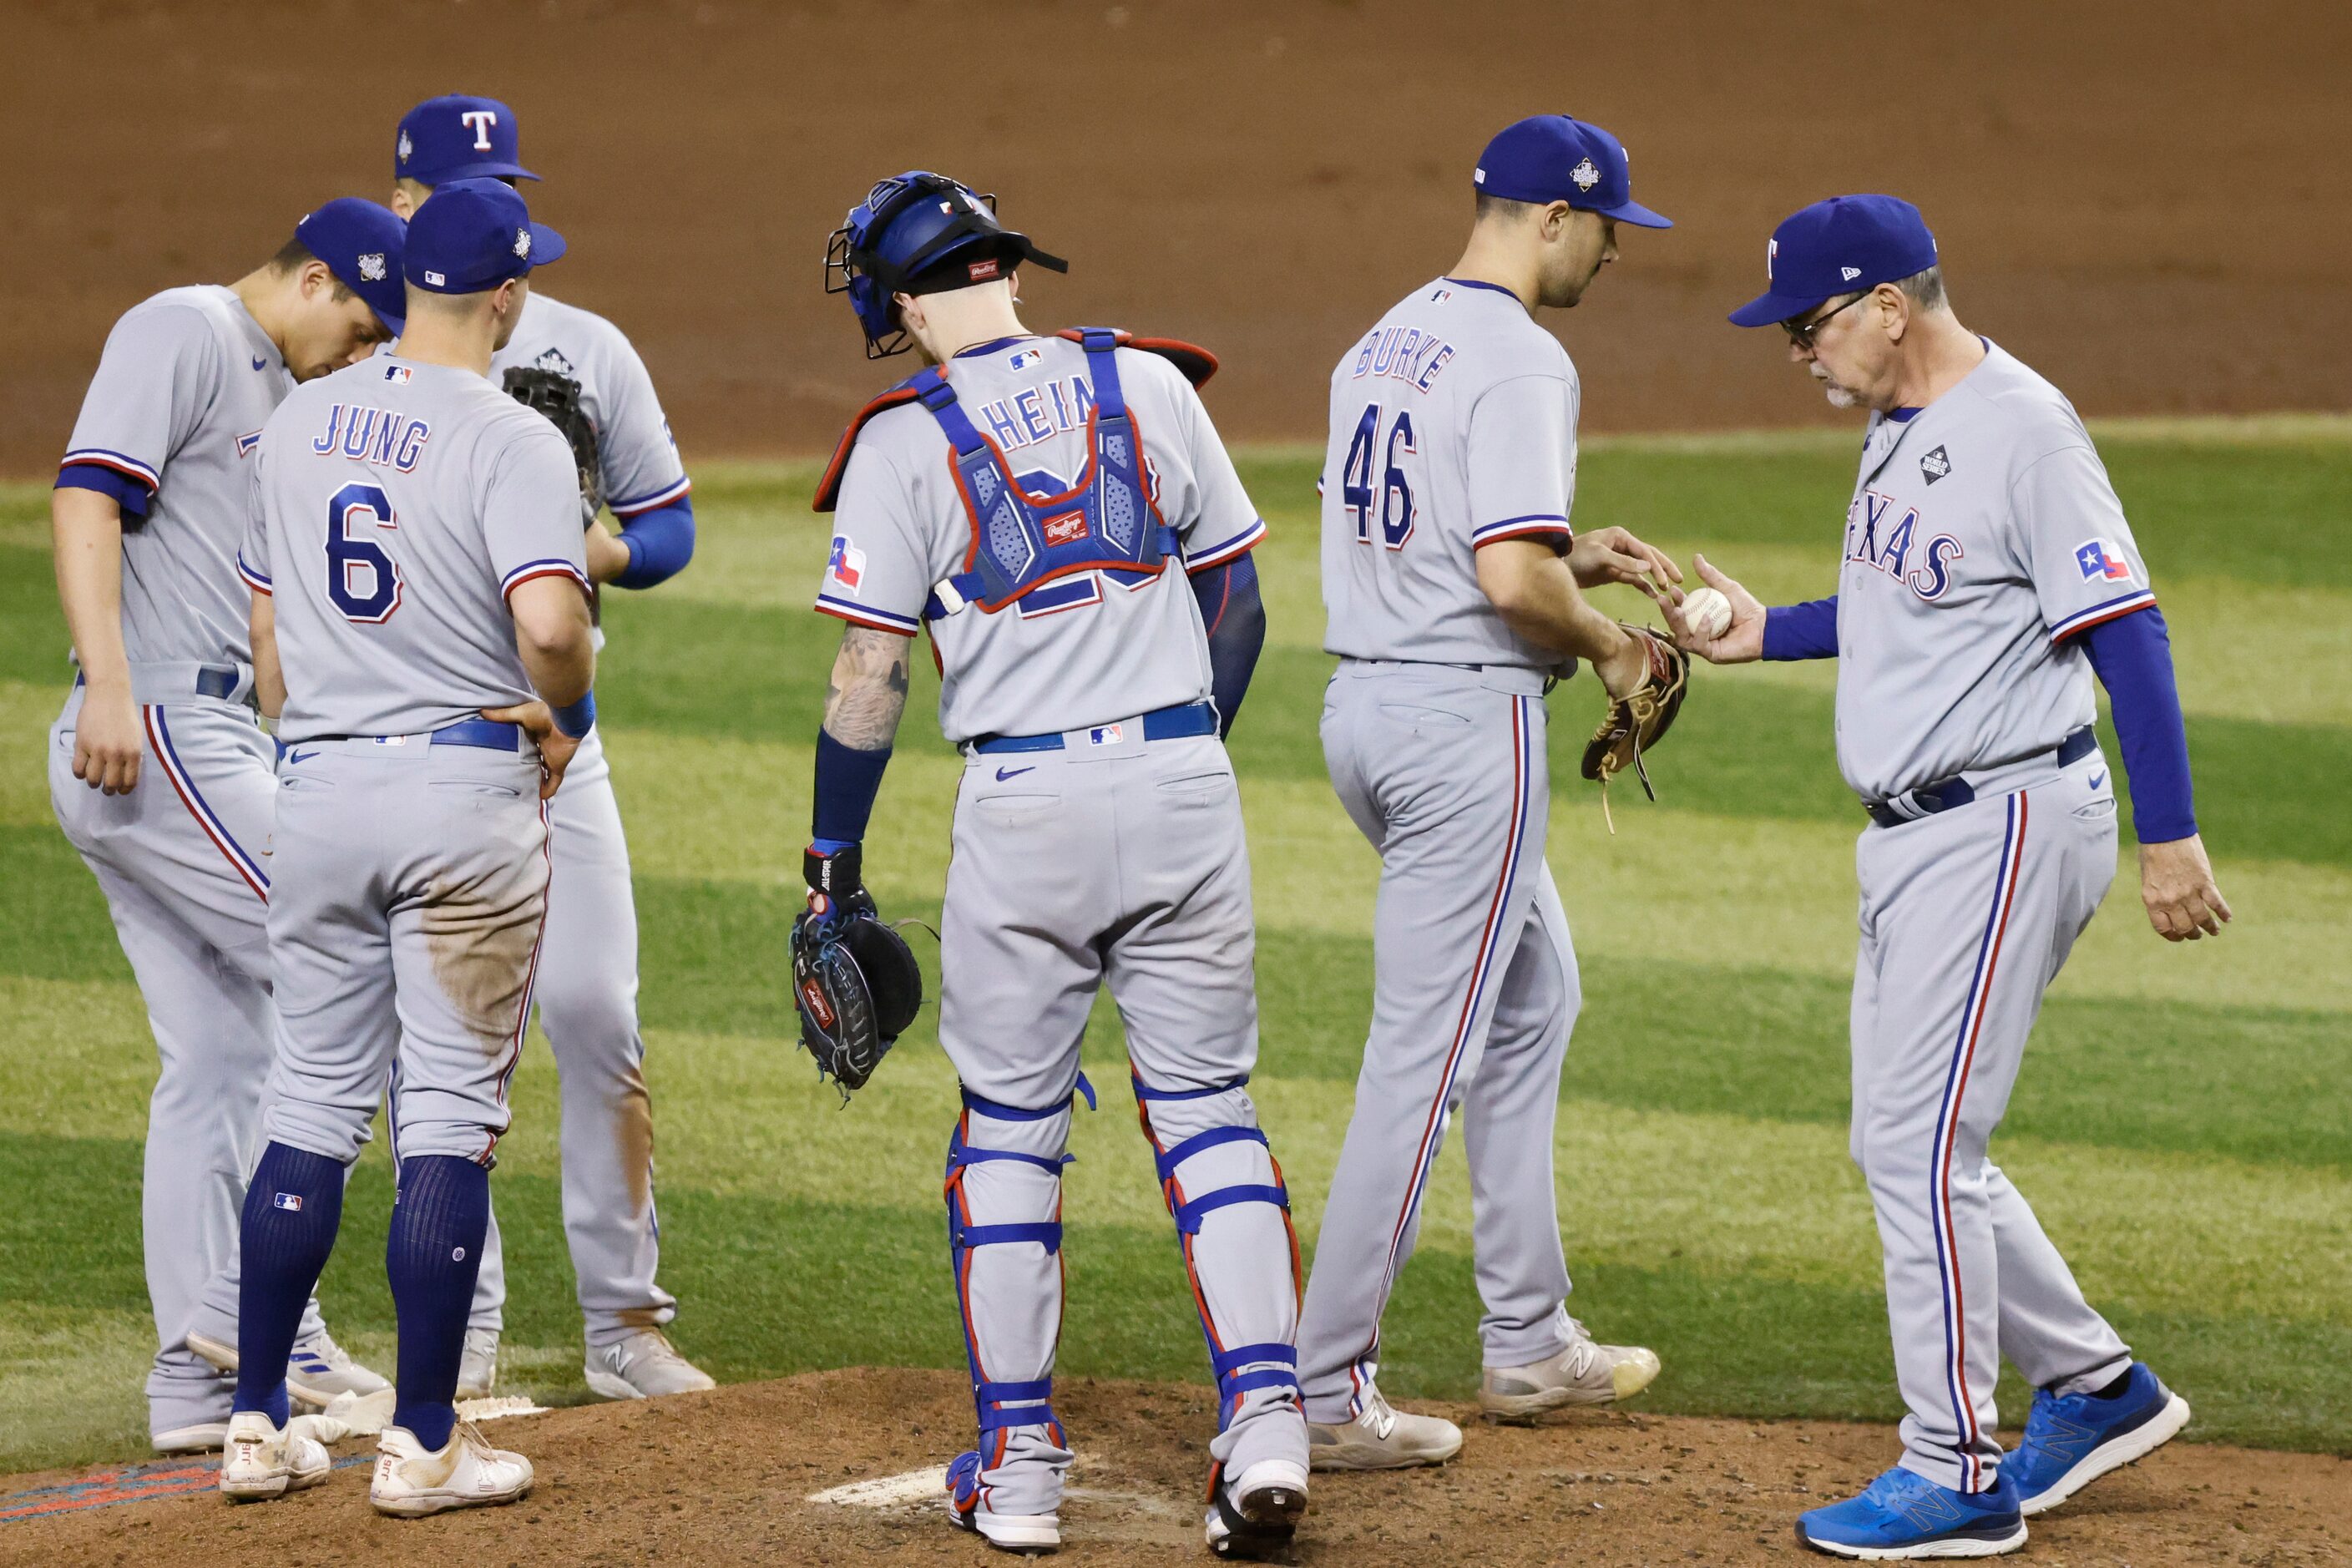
column 848, row 565
column 2100, row 559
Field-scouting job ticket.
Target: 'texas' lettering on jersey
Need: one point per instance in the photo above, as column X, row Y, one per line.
column 1875, row 537
column 376, row 435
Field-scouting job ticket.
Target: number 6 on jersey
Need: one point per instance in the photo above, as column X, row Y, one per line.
column 1395, row 492
column 362, row 579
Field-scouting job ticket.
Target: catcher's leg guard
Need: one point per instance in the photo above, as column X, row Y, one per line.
column 1004, row 1191
column 1232, row 1210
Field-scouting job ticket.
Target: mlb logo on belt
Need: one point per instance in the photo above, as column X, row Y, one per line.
column 1065, row 529
column 849, row 562
column 2099, row 559
column 292, row 1201
column 1105, row 734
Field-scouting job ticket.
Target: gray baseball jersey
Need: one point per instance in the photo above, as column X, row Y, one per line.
column 187, row 380
column 635, row 451
column 1103, row 648
column 1983, row 535
column 397, row 505
column 1452, row 425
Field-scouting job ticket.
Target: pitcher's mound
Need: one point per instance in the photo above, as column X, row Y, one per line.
column 845, row 1468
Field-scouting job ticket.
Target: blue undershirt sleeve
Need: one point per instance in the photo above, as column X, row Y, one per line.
column 1234, row 614
column 2133, row 657
column 129, row 494
column 1802, row 631
column 660, row 543
column 847, row 780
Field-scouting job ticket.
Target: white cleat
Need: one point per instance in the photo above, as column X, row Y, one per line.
column 318, row 1370
column 1254, row 1517
column 201, row 1437
column 478, row 1368
column 261, row 1462
column 1382, row 1438
column 411, row 1480
column 645, row 1365
column 1029, row 1533
column 1583, row 1373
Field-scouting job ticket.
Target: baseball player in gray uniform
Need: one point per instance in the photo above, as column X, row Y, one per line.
column 1987, row 574
column 588, row 981
column 159, row 772
column 1453, row 583
column 1060, row 514
column 419, row 606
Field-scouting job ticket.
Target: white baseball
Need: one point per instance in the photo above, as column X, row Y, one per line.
column 1707, row 612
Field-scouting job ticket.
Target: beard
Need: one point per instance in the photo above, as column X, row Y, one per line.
column 1839, row 395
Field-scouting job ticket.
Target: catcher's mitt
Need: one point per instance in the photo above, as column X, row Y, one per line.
column 855, row 980
column 557, row 396
column 1636, row 720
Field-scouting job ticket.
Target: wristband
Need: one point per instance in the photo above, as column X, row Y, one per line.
column 576, row 719
column 836, row 874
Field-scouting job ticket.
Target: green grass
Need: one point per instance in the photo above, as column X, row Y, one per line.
column 2184, row 1122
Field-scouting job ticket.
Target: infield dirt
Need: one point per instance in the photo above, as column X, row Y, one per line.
column 729, row 1478
column 2150, row 200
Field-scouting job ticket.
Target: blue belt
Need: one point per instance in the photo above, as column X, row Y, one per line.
column 489, row 734
column 1159, row 724
column 1946, row 794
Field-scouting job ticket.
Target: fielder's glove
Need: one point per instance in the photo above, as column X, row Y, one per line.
column 557, row 396
column 855, row 980
column 1637, row 720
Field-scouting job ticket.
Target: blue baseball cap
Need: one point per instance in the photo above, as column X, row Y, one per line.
column 473, row 234
column 1551, row 158
column 458, row 138
column 362, row 243
column 1841, row 246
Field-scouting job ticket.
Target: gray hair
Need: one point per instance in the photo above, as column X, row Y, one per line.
column 1924, row 290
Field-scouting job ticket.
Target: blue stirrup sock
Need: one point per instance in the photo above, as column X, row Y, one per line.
column 292, row 1209
column 432, row 1255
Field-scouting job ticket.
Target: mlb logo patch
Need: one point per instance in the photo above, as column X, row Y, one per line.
column 397, row 373
column 1106, row 735
column 1067, row 529
column 983, row 270
column 1026, row 357
column 291, row 1202
column 2100, row 560
column 847, row 564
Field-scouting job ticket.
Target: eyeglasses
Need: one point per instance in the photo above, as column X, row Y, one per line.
column 1804, row 336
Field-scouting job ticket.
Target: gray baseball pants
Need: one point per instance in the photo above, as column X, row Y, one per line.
column 1966, row 917
column 1474, row 991
column 1120, row 861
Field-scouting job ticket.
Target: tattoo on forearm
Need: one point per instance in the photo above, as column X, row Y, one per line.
column 868, row 693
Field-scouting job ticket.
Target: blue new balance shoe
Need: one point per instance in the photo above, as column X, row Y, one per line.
column 1903, row 1514
column 2072, row 1441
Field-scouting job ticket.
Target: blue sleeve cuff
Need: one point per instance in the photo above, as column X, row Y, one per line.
column 132, row 496
column 847, row 780
column 1232, row 613
column 576, row 719
column 1802, row 631
column 2133, row 657
column 660, row 543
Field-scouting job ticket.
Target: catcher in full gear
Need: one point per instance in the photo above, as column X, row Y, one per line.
column 1060, row 514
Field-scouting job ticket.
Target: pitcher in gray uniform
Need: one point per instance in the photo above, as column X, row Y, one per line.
column 1453, row 582
column 420, row 623
column 1060, row 514
column 159, row 772
column 588, row 979
column 1989, row 574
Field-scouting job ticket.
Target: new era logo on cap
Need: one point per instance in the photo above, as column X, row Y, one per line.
column 1849, row 273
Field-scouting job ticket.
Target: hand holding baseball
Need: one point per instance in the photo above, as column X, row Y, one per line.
column 1722, row 623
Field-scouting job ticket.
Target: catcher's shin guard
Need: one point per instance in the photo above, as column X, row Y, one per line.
column 1214, row 1160
column 1004, row 1186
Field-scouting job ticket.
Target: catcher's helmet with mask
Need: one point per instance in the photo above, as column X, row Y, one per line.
column 918, row 233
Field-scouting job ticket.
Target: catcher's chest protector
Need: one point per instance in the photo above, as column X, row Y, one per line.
column 1020, row 541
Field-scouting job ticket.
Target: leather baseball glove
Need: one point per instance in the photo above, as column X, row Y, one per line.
column 1637, row 720
column 557, row 396
column 855, row 980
